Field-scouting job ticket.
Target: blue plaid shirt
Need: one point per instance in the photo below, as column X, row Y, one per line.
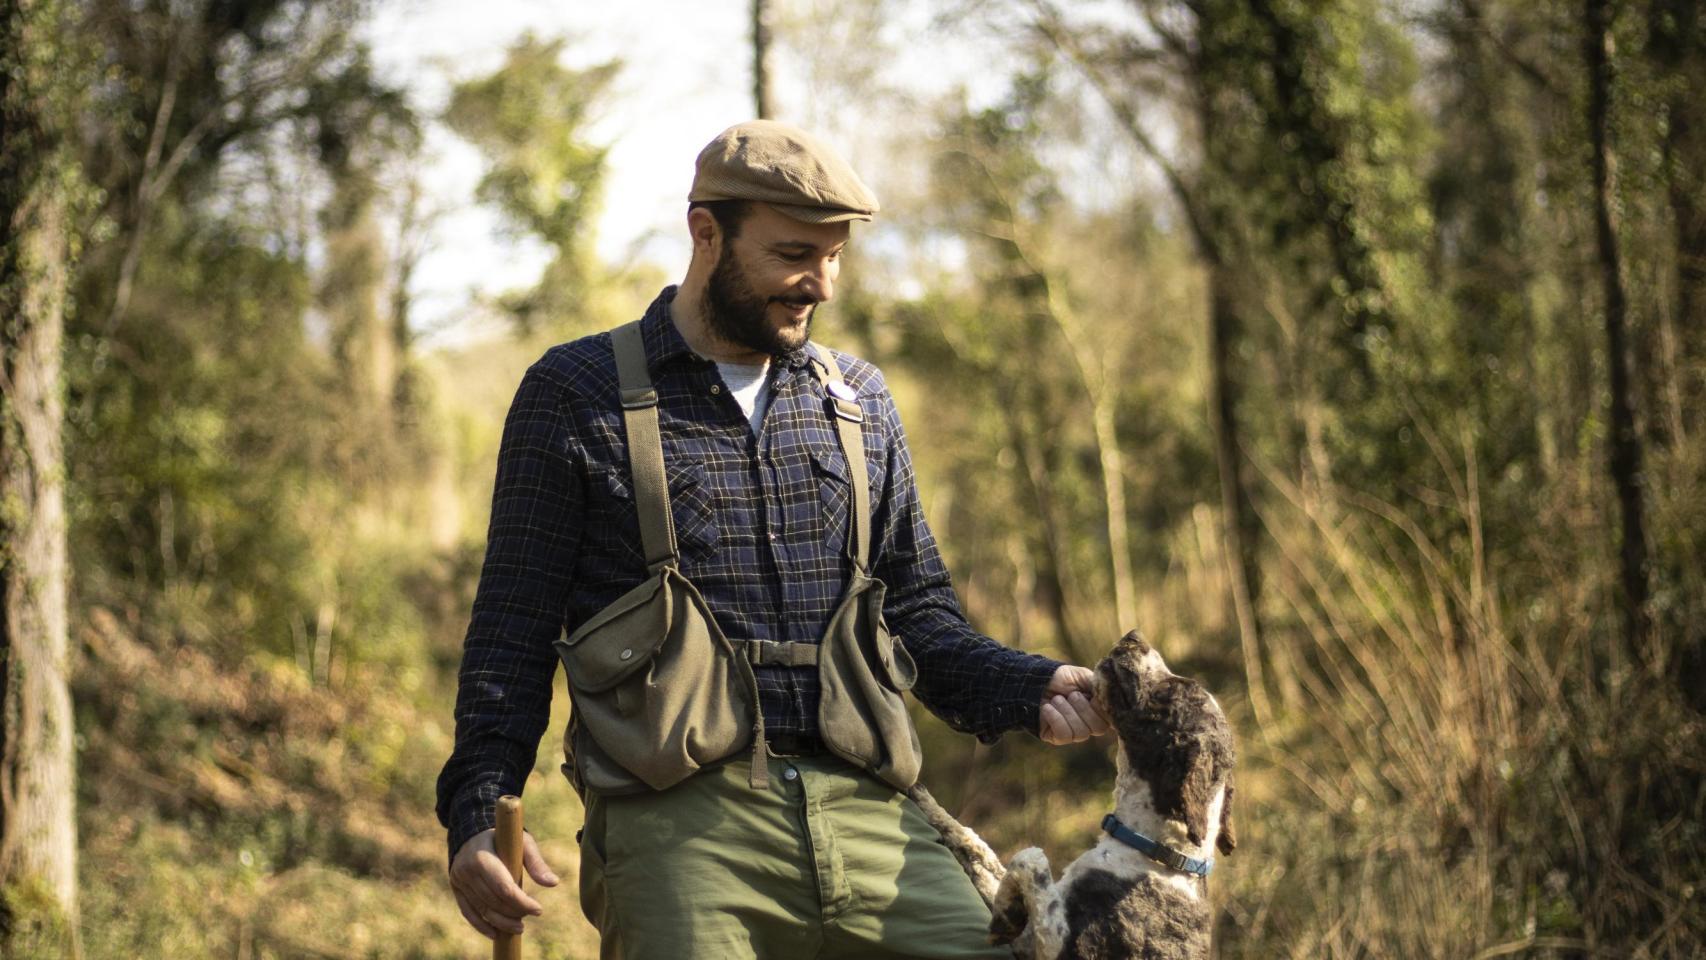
column 761, row 526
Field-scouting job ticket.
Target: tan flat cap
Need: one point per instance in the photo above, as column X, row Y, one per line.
column 785, row 167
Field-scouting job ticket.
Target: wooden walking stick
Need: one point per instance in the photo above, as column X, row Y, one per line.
column 508, row 945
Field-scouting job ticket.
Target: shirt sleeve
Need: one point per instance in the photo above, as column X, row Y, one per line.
column 503, row 697
column 973, row 683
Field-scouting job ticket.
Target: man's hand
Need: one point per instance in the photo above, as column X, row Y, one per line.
column 489, row 899
column 1068, row 714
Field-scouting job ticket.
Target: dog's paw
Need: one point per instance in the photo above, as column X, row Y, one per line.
column 1006, row 925
column 1027, row 879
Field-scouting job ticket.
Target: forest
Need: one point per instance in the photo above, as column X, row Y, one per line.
column 1354, row 351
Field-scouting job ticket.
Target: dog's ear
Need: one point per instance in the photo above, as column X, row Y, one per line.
column 1227, row 840
column 1196, row 791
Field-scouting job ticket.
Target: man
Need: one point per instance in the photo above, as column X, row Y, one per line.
column 783, row 495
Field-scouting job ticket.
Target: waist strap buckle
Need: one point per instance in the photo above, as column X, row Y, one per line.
column 771, row 653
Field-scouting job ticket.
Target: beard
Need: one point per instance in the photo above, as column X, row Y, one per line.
column 735, row 312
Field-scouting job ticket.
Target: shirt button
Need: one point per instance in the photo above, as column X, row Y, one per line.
column 772, row 536
column 627, row 654
column 791, row 774
column 716, row 388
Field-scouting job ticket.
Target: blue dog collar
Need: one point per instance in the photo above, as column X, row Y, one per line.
column 1159, row 852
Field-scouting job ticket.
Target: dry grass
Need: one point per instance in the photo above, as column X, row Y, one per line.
column 1458, row 770
column 244, row 813
column 1462, row 761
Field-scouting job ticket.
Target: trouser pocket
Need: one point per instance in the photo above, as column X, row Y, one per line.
column 592, row 891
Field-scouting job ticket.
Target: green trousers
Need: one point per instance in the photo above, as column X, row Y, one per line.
column 827, row 862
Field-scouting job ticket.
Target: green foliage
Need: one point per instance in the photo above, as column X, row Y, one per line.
column 1006, row 369
column 33, row 926
column 359, row 119
column 188, row 424
column 46, row 197
column 529, row 118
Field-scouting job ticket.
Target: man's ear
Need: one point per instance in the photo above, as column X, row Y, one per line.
column 1227, row 840
column 707, row 236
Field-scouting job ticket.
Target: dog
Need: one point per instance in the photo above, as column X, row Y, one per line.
column 1141, row 891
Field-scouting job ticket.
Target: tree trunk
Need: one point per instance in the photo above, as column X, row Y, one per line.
column 363, row 338
column 1236, row 517
column 1054, row 591
column 1689, row 208
column 1675, row 45
column 1208, row 231
column 1300, row 112
column 1102, row 389
column 1625, row 447
column 1210, row 227
column 1113, row 493
column 761, row 59
column 38, row 840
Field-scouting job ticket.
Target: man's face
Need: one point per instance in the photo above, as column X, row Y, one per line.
column 769, row 279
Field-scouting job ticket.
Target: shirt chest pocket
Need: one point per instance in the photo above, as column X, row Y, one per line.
column 691, row 506
column 835, row 496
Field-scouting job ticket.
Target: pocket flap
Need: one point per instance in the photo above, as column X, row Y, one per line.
column 685, row 474
column 901, row 668
column 831, row 463
column 619, row 639
column 682, row 476
column 616, row 484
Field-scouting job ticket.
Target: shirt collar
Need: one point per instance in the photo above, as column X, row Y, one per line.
column 664, row 343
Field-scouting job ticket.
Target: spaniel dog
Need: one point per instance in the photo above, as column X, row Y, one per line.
column 1140, row 892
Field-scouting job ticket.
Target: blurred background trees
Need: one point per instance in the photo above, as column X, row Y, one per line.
column 1354, row 351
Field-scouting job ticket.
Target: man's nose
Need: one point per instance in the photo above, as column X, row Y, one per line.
column 819, row 282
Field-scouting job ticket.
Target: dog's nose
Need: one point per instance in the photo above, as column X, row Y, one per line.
column 1135, row 640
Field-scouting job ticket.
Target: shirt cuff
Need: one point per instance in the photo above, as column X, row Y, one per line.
column 1024, row 711
column 475, row 810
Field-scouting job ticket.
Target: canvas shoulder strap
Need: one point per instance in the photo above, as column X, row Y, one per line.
column 645, row 446
column 849, row 417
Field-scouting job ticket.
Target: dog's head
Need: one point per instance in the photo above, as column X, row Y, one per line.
column 1173, row 736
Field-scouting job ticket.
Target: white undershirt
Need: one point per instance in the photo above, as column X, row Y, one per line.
column 746, row 381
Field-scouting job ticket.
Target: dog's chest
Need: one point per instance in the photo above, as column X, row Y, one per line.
column 1113, row 917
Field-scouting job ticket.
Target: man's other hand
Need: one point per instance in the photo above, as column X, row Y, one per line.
column 1069, row 715
column 490, row 900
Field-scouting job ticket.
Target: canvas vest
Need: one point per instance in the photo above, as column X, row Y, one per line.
column 659, row 692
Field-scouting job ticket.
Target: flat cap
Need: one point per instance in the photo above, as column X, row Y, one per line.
column 785, row 167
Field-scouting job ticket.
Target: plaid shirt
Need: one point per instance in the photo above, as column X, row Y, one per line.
column 761, row 527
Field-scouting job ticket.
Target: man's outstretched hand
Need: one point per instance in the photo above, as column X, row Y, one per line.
column 489, row 899
column 1068, row 714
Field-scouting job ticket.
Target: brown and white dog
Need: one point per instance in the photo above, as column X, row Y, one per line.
column 1140, row 892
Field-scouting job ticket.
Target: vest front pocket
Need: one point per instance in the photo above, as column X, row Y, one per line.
column 898, row 665
column 657, row 690
column 862, row 670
